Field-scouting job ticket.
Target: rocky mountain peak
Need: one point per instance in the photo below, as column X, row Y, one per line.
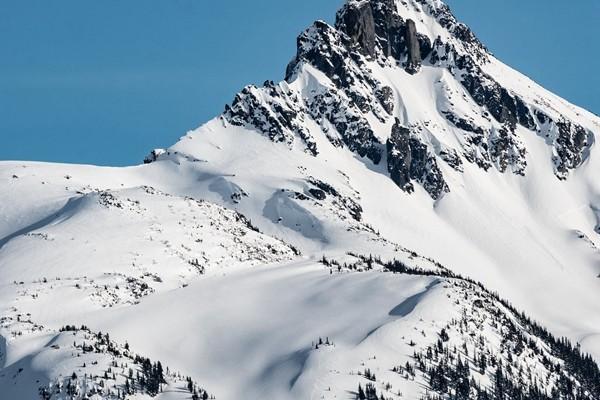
column 378, row 27
column 378, row 31
column 358, row 104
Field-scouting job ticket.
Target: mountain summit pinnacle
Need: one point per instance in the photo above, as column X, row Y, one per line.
column 357, row 105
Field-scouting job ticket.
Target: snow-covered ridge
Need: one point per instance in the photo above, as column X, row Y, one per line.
column 409, row 334
column 98, row 248
column 171, row 240
column 396, row 135
column 75, row 363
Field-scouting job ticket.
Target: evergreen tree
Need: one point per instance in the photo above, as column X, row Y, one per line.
column 361, row 393
column 499, row 383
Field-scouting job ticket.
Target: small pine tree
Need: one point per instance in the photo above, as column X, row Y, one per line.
column 361, row 393
column 444, row 335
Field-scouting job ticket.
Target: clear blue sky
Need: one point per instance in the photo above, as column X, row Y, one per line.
column 104, row 82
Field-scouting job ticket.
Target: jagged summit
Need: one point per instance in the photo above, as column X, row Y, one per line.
column 404, row 29
column 360, row 100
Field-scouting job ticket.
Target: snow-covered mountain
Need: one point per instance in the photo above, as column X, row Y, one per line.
column 255, row 258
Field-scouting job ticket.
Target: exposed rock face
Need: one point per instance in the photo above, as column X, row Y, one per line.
column 356, row 93
column 330, row 51
column 571, row 145
column 452, row 158
column 385, row 95
column 400, row 157
column 275, row 111
column 360, row 27
column 376, row 30
column 389, row 28
column 504, row 106
column 507, row 151
column 351, row 104
column 322, row 189
column 323, row 47
column 410, row 160
column 571, row 142
column 499, row 147
column 413, row 63
column 154, row 155
column 465, row 36
column 352, row 129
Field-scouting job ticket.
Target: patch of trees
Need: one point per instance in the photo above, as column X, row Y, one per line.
column 148, row 377
column 367, row 374
column 322, row 342
column 197, row 393
column 449, row 377
column 578, row 374
column 580, row 366
column 73, row 328
column 368, row 393
column 152, row 377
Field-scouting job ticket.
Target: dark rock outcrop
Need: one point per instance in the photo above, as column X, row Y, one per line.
column 452, row 158
column 324, row 48
column 596, row 211
column 323, row 189
column 389, row 28
column 571, row 142
column 154, row 156
column 442, row 13
column 352, row 128
column 272, row 110
column 413, row 62
column 400, row 157
column 485, row 148
column 330, row 51
column 385, row 95
column 506, row 150
column 317, row 194
column 410, row 160
column 461, row 123
column 359, row 25
column 376, row 30
column 505, row 107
